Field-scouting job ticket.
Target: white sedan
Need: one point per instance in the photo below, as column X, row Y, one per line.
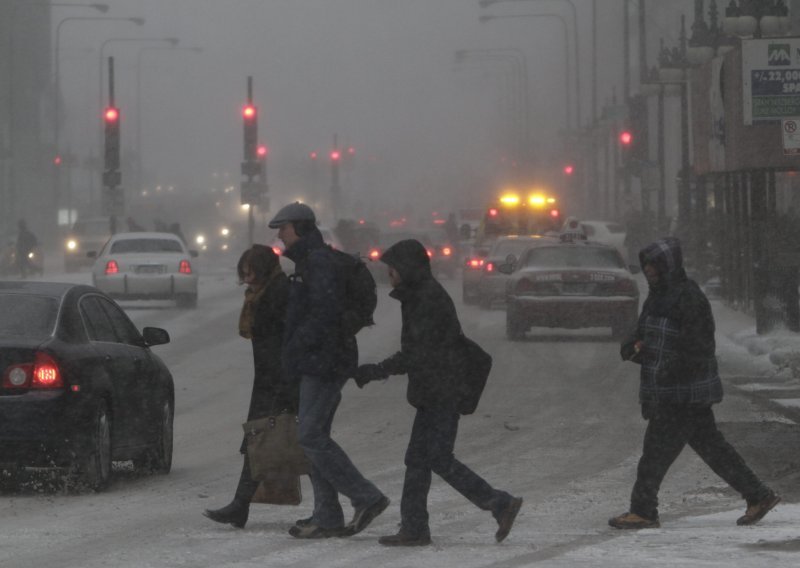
column 146, row 266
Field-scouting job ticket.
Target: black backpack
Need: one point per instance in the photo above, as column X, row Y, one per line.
column 361, row 294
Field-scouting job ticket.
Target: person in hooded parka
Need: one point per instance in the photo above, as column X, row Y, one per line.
column 679, row 382
column 428, row 354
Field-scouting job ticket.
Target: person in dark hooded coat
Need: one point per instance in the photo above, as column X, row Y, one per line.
column 679, row 382
column 262, row 321
column 429, row 355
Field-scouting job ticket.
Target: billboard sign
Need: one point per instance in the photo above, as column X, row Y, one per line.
column 770, row 79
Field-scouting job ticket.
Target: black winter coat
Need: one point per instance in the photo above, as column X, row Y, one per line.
column 315, row 343
column 429, row 343
column 272, row 391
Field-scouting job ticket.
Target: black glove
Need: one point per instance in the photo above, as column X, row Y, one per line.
column 369, row 372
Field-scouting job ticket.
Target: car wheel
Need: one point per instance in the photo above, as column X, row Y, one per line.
column 186, row 301
column 94, row 466
column 515, row 327
column 158, row 459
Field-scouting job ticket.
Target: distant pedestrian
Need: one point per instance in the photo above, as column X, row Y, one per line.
column 428, row 354
column 133, row 226
column 262, row 321
column 26, row 247
column 674, row 343
column 321, row 355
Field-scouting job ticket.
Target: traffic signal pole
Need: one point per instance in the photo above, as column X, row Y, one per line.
column 113, row 197
column 253, row 189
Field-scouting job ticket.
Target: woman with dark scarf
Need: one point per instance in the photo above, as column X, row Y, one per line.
column 262, row 322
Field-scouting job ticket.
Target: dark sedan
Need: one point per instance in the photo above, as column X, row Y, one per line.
column 570, row 285
column 80, row 387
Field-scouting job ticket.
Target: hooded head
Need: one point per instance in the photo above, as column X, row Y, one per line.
column 666, row 257
column 410, row 259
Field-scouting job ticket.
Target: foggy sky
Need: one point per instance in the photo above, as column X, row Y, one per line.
column 379, row 73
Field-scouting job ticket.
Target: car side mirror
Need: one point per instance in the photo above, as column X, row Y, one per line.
column 193, row 253
column 505, row 268
column 635, row 268
column 155, row 336
column 92, row 254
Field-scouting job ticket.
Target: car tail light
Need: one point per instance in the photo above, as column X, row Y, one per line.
column 489, row 267
column 625, row 287
column 525, row 287
column 475, row 263
column 447, row 251
column 374, row 254
column 185, row 267
column 46, row 373
column 112, row 267
column 43, row 373
column 430, row 253
column 277, row 250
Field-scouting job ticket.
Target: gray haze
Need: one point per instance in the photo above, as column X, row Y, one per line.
column 379, row 73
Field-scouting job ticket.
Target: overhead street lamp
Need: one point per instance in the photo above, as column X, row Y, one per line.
column 520, row 67
column 487, row 3
column 57, row 82
column 139, row 55
column 567, row 70
column 172, row 41
column 9, row 199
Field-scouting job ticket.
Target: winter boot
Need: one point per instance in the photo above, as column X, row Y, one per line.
column 506, row 517
column 235, row 513
column 405, row 538
column 633, row 521
column 756, row 511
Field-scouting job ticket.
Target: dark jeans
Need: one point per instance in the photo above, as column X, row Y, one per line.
column 671, row 427
column 332, row 472
column 430, row 449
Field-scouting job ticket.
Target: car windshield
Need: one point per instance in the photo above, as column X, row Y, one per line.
column 95, row 227
column 145, row 245
column 27, row 316
column 511, row 246
column 573, row 257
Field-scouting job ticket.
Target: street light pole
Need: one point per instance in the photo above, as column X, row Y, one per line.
column 139, row 102
column 57, row 88
column 486, row 3
column 567, row 72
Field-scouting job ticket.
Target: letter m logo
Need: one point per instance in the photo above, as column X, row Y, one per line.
column 779, row 54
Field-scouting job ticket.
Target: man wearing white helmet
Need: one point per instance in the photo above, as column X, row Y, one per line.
column 321, row 356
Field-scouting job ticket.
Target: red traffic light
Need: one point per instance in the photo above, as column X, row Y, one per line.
column 262, row 151
column 249, row 112
column 57, row 160
column 569, row 169
column 625, row 138
column 335, row 155
column 111, row 114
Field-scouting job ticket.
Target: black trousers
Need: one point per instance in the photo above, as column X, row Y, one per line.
column 671, row 428
column 247, row 486
column 430, row 450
